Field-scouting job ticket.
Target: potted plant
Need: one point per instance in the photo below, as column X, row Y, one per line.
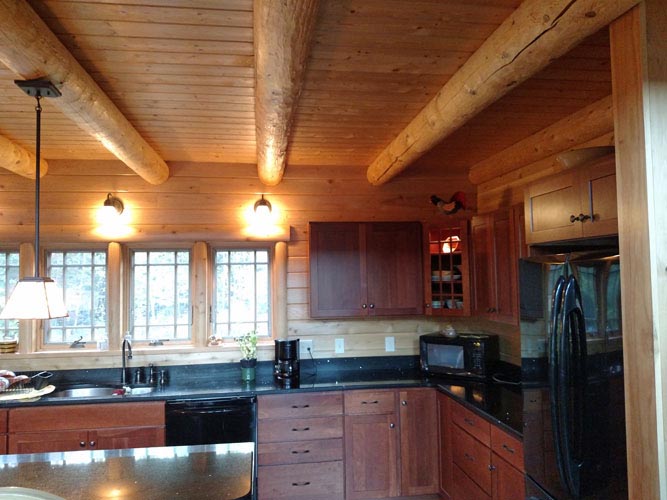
column 248, row 345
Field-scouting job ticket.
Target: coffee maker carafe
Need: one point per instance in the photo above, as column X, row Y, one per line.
column 286, row 367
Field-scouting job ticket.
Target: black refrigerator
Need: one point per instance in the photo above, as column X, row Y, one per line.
column 572, row 373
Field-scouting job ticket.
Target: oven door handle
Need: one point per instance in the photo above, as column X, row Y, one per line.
column 211, row 411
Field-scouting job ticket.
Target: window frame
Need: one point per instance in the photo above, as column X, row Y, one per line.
column 9, row 250
column 242, row 246
column 39, row 332
column 128, row 327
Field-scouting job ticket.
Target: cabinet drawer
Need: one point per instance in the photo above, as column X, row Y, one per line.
column 472, row 423
column 3, row 421
column 92, row 416
column 507, row 447
column 465, row 488
column 472, row 457
column 299, row 429
column 370, row 402
column 321, row 481
column 296, row 452
column 300, row 405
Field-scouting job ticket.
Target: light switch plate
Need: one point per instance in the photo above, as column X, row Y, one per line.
column 339, row 346
column 304, row 346
column 389, row 345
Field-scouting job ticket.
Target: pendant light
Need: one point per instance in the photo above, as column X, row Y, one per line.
column 36, row 297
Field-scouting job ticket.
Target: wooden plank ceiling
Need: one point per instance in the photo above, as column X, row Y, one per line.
column 182, row 72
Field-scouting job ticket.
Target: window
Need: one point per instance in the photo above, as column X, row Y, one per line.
column 160, row 295
column 9, row 275
column 242, row 284
column 82, row 275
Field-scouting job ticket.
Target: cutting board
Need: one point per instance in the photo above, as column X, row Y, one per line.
column 31, row 394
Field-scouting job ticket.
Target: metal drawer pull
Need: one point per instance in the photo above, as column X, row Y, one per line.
column 296, row 452
column 82, row 444
column 302, row 429
column 370, row 402
column 404, row 403
column 92, row 444
column 469, row 422
column 305, row 483
column 300, row 406
column 492, row 467
column 507, row 448
column 469, row 457
column 391, row 426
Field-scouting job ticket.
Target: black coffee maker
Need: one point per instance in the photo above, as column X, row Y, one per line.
column 286, row 367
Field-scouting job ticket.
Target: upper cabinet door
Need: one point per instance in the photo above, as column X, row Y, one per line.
column 577, row 203
column 364, row 269
column 337, row 287
column 394, row 268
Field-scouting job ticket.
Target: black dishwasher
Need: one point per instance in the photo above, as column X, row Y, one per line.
column 211, row 421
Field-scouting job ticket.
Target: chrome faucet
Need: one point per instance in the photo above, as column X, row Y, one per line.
column 127, row 344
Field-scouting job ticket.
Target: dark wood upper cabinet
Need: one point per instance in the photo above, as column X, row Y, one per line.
column 498, row 243
column 576, row 203
column 363, row 269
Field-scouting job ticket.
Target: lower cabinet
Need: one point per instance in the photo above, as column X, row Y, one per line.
column 3, row 431
column 390, row 443
column 90, row 427
column 300, row 446
column 477, row 459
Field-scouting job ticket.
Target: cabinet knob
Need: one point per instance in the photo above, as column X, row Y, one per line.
column 427, row 305
column 364, row 306
column 579, row 218
column 508, row 449
column 404, row 403
column 82, row 444
column 492, row 467
column 392, row 425
column 372, row 306
column 92, row 444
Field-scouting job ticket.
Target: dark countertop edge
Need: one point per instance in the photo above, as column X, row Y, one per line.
column 487, row 416
column 264, row 388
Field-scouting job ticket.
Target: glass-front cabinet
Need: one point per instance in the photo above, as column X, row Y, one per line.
column 447, row 290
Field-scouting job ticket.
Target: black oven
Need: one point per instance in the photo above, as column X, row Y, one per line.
column 464, row 355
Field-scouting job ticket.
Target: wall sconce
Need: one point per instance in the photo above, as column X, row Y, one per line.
column 263, row 208
column 110, row 219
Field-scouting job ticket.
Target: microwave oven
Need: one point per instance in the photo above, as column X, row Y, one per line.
column 466, row 355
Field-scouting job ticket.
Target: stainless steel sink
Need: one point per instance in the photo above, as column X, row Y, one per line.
column 138, row 391
column 88, row 392
column 101, row 392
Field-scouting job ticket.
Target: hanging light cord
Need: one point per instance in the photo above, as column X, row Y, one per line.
column 38, row 134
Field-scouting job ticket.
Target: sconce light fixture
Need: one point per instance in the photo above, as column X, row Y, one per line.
column 113, row 207
column 262, row 208
column 36, row 297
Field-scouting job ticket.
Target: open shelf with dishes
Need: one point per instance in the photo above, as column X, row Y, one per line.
column 446, row 274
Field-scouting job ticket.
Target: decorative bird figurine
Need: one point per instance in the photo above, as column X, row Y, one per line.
column 455, row 203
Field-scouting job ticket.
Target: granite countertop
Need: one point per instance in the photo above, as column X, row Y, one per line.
column 501, row 403
column 219, row 471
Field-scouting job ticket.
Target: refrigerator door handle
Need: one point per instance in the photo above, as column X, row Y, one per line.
column 571, row 386
column 555, row 358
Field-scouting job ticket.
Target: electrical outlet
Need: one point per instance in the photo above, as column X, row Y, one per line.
column 389, row 344
column 339, row 346
column 305, row 348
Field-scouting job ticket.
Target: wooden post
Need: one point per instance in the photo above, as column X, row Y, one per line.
column 639, row 73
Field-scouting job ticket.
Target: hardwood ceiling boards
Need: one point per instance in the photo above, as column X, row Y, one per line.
column 183, row 73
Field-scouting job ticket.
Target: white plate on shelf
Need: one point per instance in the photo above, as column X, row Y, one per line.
column 451, row 278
